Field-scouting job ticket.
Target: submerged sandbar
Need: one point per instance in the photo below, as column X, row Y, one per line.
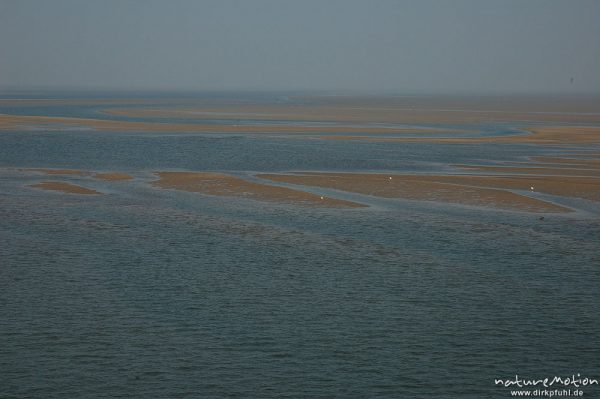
column 113, row 176
column 75, row 172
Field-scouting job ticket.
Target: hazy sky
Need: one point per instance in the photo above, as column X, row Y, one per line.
column 412, row 47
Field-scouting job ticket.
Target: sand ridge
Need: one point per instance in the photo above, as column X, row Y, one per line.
column 468, row 190
column 220, row 184
column 65, row 188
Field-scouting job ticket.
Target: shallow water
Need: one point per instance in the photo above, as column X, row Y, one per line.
column 144, row 292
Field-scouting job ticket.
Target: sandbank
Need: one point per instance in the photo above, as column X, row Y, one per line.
column 404, row 109
column 65, row 188
column 468, row 190
column 220, row 184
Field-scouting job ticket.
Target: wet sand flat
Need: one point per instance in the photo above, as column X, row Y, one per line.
column 340, row 118
column 405, row 109
column 109, row 176
column 533, row 170
column 29, row 122
column 226, row 185
column 58, row 171
column 572, row 186
column 559, row 135
column 570, row 162
column 37, row 102
column 468, row 191
column 538, row 135
column 578, row 187
column 541, row 135
column 65, row 188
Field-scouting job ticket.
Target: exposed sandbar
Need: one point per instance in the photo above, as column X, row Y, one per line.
column 230, row 186
column 468, row 191
column 563, row 134
column 572, row 186
column 65, row 188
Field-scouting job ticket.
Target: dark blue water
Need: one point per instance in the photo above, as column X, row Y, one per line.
column 149, row 293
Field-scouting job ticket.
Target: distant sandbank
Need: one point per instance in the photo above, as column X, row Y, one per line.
column 109, row 176
column 540, row 135
column 563, row 134
column 405, row 109
column 34, row 122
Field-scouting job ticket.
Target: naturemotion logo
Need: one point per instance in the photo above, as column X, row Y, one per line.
column 535, row 387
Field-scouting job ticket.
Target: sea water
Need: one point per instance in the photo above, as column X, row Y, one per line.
column 151, row 293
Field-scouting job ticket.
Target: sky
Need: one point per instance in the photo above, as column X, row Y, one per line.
column 376, row 46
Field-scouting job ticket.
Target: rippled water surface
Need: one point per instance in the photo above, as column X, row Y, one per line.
column 151, row 293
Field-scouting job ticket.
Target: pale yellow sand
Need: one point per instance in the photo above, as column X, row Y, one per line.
column 226, row 185
column 65, row 188
column 469, row 190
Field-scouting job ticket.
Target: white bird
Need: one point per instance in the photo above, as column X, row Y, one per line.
column 531, row 188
